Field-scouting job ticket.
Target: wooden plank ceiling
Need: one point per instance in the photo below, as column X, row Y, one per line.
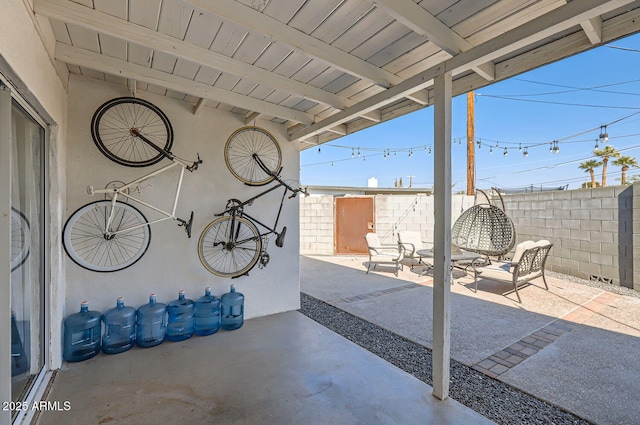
column 325, row 68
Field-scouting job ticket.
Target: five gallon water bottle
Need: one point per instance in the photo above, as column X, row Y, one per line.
column 82, row 334
column 207, row 314
column 232, row 309
column 151, row 326
column 180, row 325
column 120, row 328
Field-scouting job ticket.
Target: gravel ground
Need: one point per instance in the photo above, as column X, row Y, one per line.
column 491, row 398
column 621, row 290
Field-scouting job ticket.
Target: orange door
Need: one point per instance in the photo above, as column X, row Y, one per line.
column 354, row 219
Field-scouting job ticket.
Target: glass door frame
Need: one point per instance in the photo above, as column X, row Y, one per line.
column 40, row 380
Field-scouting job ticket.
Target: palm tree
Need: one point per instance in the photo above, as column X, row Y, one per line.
column 589, row 166
column 625, row 162
column 605, row 154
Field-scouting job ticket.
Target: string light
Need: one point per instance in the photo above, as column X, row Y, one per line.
column 603, row 137
column 352, row 152
column 358, row 152
column 505, row 152
column 526, row 152
column 491, row 149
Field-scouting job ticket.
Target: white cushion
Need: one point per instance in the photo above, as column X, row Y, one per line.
column 520, row 249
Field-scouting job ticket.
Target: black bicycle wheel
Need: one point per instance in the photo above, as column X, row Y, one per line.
column 239, row 153
column 88, row 244
column 115, row 127
column 229, row 246
column 20, row 238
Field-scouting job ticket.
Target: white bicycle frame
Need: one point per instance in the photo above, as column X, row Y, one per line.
column 122, row 191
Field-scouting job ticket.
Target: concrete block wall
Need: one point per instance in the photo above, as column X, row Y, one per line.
column 393, row 213
column 316, row 225
column 594, row 231
column 591, row 229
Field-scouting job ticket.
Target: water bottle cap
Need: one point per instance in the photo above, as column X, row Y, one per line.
column 84, row 303
column 233, row 287
column 208, row 288
column 120, row 299
column 182, row 291
column 152, row 295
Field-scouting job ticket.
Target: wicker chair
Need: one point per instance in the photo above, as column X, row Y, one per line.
column 485, row 228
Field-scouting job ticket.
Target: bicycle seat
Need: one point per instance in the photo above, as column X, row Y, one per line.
column 280, row 238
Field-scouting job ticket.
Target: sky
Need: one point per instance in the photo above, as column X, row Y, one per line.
column 567, row 101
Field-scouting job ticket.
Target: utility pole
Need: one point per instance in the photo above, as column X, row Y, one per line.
column 470, row 145
column 411, row 181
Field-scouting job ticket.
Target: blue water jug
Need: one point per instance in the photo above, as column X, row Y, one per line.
column 207, row 314
column 232, row 309
column 119, row 328
column 82, row 334
column 151, row 323
column 180, row 325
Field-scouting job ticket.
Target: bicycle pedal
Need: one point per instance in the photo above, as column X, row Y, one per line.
column 187, row 225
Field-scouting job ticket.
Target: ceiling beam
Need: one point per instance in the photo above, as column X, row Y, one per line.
column 593, row 29
column 251, row 118
column 297, row 40
column 422, row 22
column 199, row 105
column 555, row 21
column 73, row 13
column 103, row 63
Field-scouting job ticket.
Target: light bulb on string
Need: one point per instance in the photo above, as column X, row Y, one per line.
column 479, row 143
column 604, row 136
column 491, row 149
column 526, row 152
column 520, row 147
column 429, row 150
column 352, row 153
column 505, row 153
column 358, row 152
column 596, row 147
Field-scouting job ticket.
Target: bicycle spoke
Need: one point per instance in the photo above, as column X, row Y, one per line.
column 90, row 245
column 241, row 148
column 115, row 126
column 230, row 246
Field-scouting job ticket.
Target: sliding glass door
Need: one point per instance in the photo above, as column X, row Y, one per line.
column 26, row 269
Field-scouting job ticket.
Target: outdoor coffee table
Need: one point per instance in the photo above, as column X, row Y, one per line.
column 460, row 259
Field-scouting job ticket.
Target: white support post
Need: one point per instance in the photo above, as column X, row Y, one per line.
column 442, row 235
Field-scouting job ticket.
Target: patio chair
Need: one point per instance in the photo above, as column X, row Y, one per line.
column 383, row 254
column 412, row 242
column 485, row 228
column 528, row 263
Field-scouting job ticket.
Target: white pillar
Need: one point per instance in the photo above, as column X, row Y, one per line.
column 442, row 235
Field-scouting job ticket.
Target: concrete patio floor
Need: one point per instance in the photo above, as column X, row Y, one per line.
column 574, row 346
column 280, row 369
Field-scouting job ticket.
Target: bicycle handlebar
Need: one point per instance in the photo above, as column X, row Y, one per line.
column 194, row 166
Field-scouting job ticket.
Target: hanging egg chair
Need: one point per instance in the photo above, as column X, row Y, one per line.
column 484, row 228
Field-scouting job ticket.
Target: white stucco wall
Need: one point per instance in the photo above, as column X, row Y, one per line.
column 25, row 61
column 171, row 262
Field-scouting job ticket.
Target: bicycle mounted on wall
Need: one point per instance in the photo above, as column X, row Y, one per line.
column 232, row 244
column 111, row 235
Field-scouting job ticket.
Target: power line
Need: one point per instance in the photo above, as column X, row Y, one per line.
column 560, row 103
